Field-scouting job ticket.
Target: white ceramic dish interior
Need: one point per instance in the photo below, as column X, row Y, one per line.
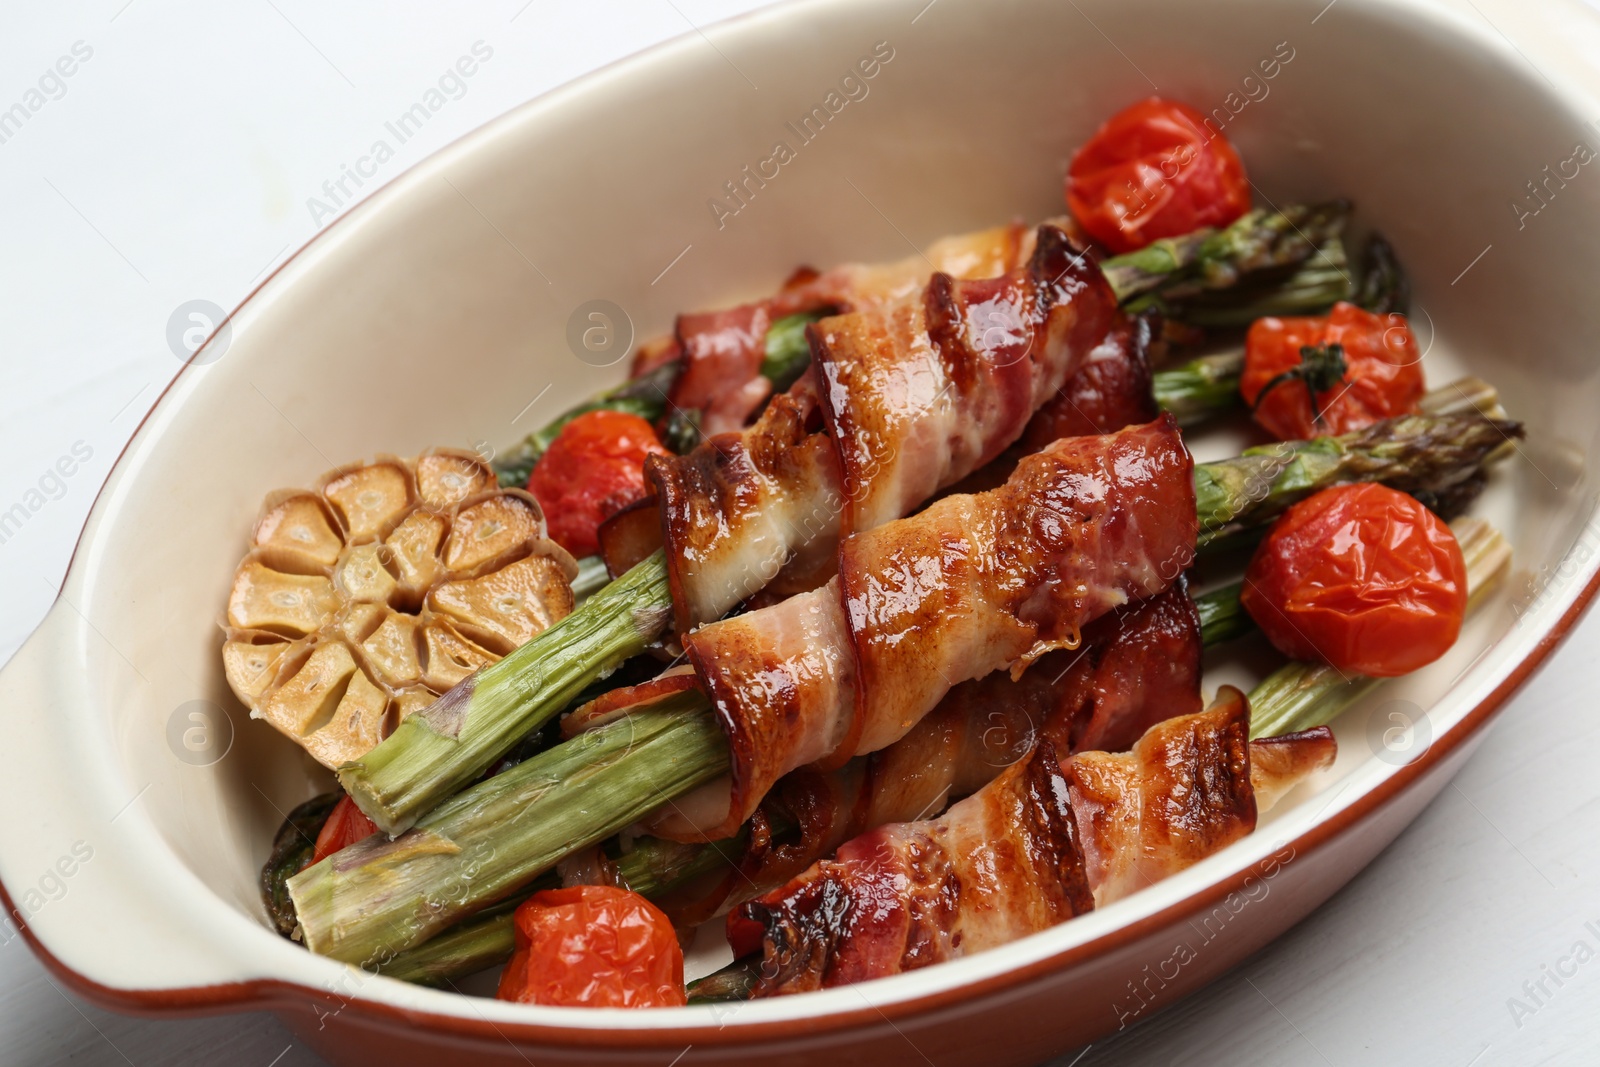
column 436, row 314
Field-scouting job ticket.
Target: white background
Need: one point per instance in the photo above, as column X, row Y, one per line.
column 177, row 165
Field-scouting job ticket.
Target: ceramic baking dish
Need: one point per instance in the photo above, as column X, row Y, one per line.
column 437, row 313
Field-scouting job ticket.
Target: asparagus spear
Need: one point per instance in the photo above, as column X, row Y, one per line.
column 377, row 898
column 1320, row 282
column 1413, row 453
column 1261, row 240
column 1201, row 388
column 1384, row 287
column 651, row 868
column 440, row 750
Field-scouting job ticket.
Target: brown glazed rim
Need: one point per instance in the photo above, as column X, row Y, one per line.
column 266, row 994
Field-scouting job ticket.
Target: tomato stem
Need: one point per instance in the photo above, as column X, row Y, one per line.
column 1321, row 368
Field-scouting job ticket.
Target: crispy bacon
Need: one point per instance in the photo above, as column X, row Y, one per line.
column 1112, row 389
column 997, row 866
column 1136, row 667
column 741, row 506
column 968, row 586
column 920, row 393
column 722, row 350
column 1191, row 786
column 902, row 897
column 915, row 394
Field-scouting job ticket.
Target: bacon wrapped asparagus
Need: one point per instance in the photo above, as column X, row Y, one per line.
column 968, row 586
column 1044, row 842
column 971, row 585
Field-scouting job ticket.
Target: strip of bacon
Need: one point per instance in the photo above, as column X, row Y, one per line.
column 969, row 586
column 721, row 351
column 1112, row 389
column 903, row 896
column 1191, row 786
column 915, row 393
column 1136, row 667
column 920, row 393
column 995, row 867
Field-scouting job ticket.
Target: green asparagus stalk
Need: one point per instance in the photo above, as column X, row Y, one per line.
column 653, row 867
column 788, row 353
column 1222, row 616
column 1416, row 454
column 1200, row 389
column 438, row 751
column 1320, row 282
column 377, row 898
column 1299, row 696
column 1384, row 287
column 1261, row 240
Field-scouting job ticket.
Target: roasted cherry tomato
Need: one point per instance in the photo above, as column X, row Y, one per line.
column 1155, row 171
column 346, row 825
column 592, row 470
column 1360, row 576
column 593, row 946
column 1330, row 374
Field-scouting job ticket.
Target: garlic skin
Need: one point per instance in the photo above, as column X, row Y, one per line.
column 363, row 599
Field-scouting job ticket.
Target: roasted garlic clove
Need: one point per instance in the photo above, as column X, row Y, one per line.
column 363, row 600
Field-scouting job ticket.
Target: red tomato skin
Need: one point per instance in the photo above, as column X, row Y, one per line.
column 346, row 824
column 1154, row 170
column 593, row 946
column 592, row 470
column 1362, row 577
column 1383, row 371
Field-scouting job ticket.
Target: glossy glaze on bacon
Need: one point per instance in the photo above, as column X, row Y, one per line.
column 721, row 351
column 1190, row 786
column 920, row 393
column 971, row 585
column 1113, row 388
column 915, row 392
column 1136, row 667
column 896, row 899
column 1001, row 864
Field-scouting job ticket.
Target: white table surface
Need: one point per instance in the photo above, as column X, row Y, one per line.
column 176, row 163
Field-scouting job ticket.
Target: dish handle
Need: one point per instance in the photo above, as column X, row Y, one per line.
column 86, row 878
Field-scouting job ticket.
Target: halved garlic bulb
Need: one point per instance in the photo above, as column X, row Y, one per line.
column 363, row 599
